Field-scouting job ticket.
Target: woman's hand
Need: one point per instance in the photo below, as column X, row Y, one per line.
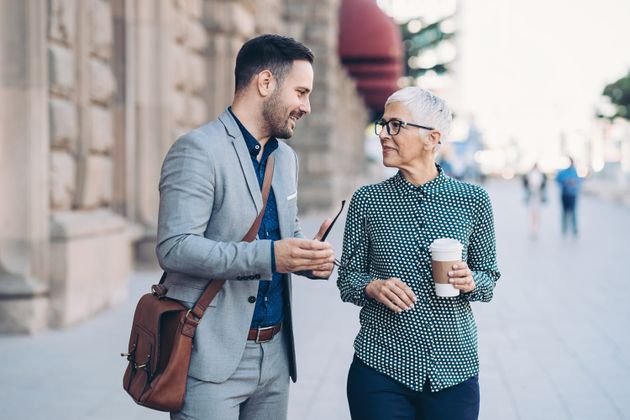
column 461, row 277
column 392, row 293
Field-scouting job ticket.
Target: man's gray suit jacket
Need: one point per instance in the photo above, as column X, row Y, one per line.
column 209, row 198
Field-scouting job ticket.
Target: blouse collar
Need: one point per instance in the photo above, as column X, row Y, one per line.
column 426, row 189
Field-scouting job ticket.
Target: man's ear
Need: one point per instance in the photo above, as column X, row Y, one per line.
column 265, row 83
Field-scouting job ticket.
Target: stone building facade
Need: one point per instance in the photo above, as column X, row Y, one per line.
column 93, row 93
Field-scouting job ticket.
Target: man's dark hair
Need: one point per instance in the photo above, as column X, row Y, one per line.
column 271, row 52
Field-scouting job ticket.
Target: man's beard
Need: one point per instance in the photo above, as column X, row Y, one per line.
column 277, row 117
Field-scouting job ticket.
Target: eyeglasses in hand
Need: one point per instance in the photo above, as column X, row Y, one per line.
column 337, row 262
column 325, row 235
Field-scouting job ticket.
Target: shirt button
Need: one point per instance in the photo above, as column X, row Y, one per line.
column 251, row 299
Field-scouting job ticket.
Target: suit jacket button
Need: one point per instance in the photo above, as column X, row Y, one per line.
column 251, row 299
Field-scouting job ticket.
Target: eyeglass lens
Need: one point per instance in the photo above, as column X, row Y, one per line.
column 393, row 127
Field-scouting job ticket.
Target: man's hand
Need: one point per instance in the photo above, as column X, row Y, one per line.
column 461, row 277
column 393, row 293
column 294, row 254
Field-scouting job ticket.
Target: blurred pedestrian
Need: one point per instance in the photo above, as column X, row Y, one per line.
column 210, row 194
column 416, row 353
column 535, row 185
column 570, row 184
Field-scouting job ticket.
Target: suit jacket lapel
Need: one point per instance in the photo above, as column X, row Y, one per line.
column 244, row 158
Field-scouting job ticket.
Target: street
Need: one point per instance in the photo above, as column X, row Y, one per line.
column 554, row 342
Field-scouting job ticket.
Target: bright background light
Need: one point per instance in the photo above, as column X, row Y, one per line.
column 532, row 72
column 529, row 73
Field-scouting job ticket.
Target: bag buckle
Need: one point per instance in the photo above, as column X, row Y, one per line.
column 192, row 320
column 131, row 355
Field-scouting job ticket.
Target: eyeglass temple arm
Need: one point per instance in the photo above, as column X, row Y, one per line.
column 339, row 264
column 325, row 235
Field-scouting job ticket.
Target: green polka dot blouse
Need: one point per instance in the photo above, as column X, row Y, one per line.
column 388, row 231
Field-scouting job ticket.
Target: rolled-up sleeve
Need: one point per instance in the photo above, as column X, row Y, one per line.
column 482, row 256
column 353, row 275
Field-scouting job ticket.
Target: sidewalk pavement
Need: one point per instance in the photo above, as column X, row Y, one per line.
column 613, row 190
column 554, row 342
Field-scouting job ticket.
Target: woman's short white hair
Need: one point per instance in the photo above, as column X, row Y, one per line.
column 426, row 108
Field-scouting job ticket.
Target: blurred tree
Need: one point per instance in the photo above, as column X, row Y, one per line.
column 423, row 42
column 619, row 94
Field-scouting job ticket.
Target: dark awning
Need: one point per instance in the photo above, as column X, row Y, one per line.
column 370, row 47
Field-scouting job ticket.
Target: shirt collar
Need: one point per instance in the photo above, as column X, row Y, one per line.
column 253, row 145
column 426, row 189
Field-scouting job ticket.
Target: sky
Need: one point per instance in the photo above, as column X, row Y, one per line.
column 532, row 71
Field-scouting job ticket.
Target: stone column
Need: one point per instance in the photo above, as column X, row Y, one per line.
column 229, row 24
column 24, row 150
column 149, row 26
column 169, row 76
column 90, row 246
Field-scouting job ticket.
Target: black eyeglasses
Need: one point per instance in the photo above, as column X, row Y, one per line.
column 325, row 235
column 337, row 262
column 345, row 265
column 394, row 125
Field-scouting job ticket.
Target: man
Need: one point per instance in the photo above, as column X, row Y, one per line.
column 210, row 194
column 570, row 184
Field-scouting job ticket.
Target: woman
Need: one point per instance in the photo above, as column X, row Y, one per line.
column 535, row 183
column 416, row 353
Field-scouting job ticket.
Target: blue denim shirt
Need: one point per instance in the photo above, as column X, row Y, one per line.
column 569, row 181
column 269, row 303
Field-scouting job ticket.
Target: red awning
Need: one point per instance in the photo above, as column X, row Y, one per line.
column 370, row 47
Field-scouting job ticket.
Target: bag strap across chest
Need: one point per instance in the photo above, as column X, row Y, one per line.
column 215, row 285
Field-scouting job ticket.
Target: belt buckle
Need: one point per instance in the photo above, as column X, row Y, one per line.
column 258, row 341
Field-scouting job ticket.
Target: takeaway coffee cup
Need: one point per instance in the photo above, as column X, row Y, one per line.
column 444, row 253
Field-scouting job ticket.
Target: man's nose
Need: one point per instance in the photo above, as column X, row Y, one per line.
column 306, row 106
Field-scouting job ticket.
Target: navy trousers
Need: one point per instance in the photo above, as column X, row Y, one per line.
column 375, row 396
column 569, row 218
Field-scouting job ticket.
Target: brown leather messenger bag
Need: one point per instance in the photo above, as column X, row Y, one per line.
column 162, row 334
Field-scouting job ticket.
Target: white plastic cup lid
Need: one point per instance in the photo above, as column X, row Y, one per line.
column 446, row 244
column 446, row 249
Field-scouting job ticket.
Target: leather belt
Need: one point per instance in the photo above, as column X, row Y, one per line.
column 264, row 334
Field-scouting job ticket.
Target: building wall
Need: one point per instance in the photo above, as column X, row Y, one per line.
column 90, row 251
column 24, row 167
column 90, row 103
column 330, row 141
